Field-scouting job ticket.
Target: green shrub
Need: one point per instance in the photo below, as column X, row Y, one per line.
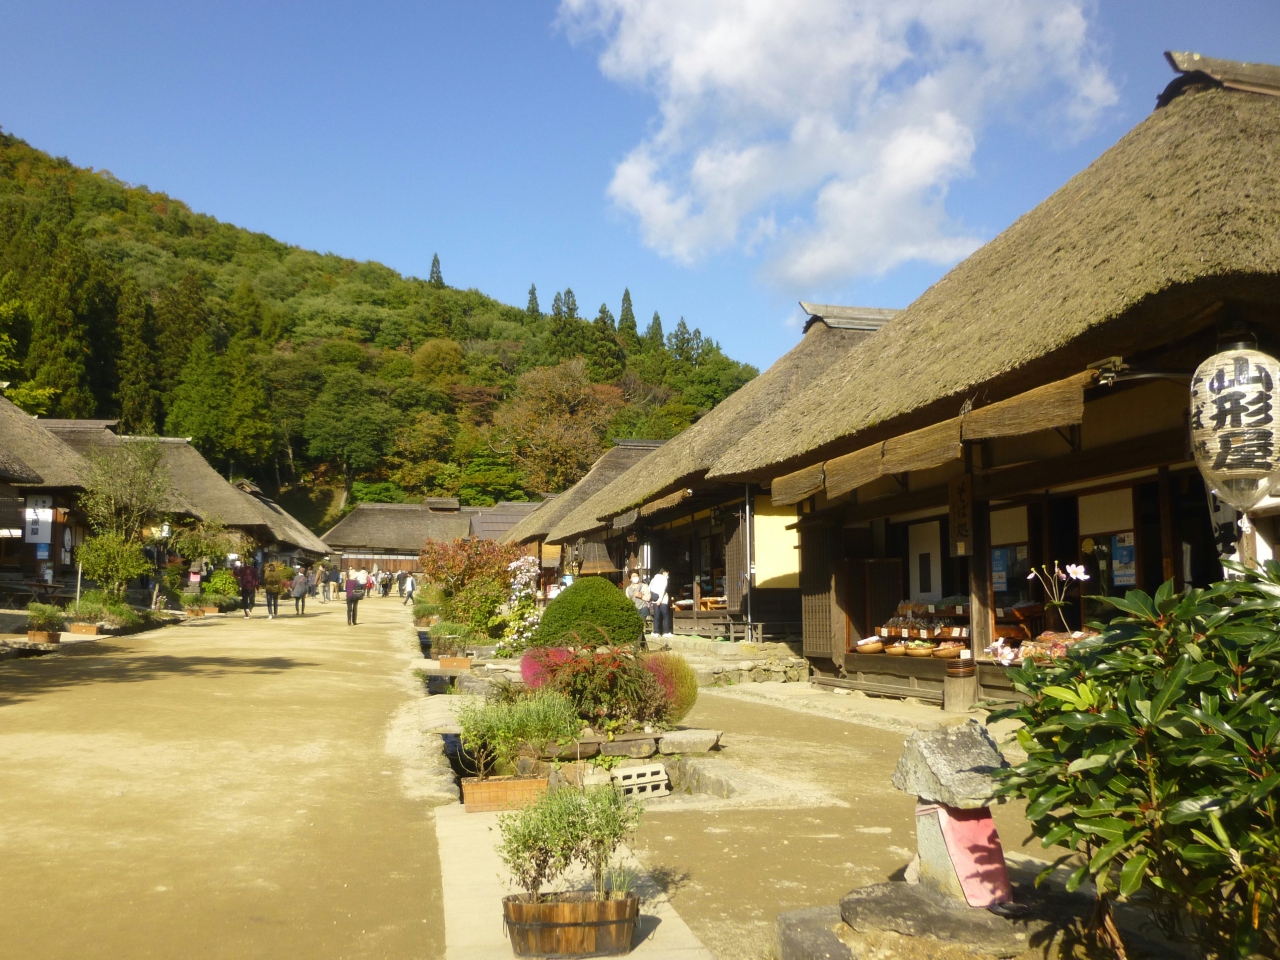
column 223, row 583
column 1154, row 751
column 45, row 617
column 541, row 841
column 609, row 687
column 424, row 609
column 451, row 639
column 678, row 681
column 87, row 611
column 591, row 612
column 112, row 561
column 191, row 601
column 493, row 732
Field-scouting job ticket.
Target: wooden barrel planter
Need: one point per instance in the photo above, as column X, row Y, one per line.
column 570, row 926
column 501, row 793
column 43, row 636
column 455, row 663
column 84, row 629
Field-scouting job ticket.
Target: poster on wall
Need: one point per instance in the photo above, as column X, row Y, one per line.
column 38, row 520
column 1124, row 561
column 1000, row 570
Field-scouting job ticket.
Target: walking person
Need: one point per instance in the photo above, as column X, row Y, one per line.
column 299, row 593
column 661, row 604
column 322, row 577
column 401, row 577
column 247, row 577
column 311, row 583
column 407, row 586
column 273, row 585
column 355, row 593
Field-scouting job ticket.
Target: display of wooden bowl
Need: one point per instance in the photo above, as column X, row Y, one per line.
column 896, row 650
column 947, row 653
column 920, row 651
column 875, row 646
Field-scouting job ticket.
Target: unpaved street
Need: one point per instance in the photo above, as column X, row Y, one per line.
column 220, row 789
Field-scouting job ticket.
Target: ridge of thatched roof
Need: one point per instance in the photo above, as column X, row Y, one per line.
column 402, row 527
column 526, row 528
column 610, row 465
column 53, row 463
column 688, row 455
column 1183, row 211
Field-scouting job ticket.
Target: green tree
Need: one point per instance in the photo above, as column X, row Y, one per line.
column 570, row 304
column 627, row 330
column 436, row 278
column 532, row 312
column 348, row 425
column 653, row 339
column 136, row 393
column 199, row 408
column 59, row 355
column 181, row 316
column 605, row 359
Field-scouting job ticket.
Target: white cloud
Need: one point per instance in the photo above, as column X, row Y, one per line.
column 824, row 133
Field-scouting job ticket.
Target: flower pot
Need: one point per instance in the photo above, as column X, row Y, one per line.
column 195, row 611
column 43, row 636
column 570, row 925
column 455, row 663
column 211, row 610
column 84, row 629
column 501, row 793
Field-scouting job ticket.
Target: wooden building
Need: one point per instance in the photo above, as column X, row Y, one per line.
column 1032, row 406
column 733, row 562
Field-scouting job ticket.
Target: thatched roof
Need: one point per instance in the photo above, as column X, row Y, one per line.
column 206, row 490
column 494, row 523
column 1182, row 212
column 395, row 527
column 611, row 464
column 527, row 527
column 287, row 529
column 23, row 439
column 685, row 458
column 14, row 471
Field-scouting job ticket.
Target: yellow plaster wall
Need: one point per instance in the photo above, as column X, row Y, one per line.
column 777, row 549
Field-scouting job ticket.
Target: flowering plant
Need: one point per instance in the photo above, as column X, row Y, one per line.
column 1056, row 584
column 523, row 615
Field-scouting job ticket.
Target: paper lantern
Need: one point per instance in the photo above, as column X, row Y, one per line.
column 1234, row 432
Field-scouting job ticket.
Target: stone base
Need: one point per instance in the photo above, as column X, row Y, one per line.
column 812, row 934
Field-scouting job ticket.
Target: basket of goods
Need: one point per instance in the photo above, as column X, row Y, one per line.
column 869, row 645
column 949, row 649
column 896, row 649
column 920, row 648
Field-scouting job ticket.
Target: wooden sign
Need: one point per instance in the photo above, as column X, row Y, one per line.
column 961, row 516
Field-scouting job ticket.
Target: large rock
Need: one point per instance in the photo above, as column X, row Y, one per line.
column 951, row 764
column 688, row 741
column 638, row 749
column 811, row 935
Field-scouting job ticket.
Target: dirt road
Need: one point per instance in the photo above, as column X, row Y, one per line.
column 216, row 790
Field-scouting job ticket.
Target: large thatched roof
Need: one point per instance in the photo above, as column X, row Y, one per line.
column 611, row 464
column 395, row 527
column 1183, row 211
column 206, row 490
column 496, row 522
column 527, row 527
column 288, row 529
column 24, row 440
column 687, row 456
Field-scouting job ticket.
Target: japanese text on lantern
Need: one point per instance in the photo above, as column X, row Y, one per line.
column 1231, row 415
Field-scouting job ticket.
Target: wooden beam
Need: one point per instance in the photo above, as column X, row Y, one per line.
column 1171, row 569
column 900, row 503
column 982, row 620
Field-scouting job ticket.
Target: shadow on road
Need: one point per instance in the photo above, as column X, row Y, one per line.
column 108, row 663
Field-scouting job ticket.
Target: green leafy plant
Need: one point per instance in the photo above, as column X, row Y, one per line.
column 45, row 617
column 1153, row 751
column 565, row 826
column 86, row 611
column 207, row 540
column 609, row 686
column 493, row 733
column 679, row 683
column 451, row 639
column 192, row 601
column 112, row 561
column 591, row 610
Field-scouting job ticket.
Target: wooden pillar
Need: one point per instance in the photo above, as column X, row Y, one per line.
column 1170, row 568
column 1046, row 534
column 981, row 608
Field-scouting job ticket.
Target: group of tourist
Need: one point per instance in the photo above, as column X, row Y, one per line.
column 277, row 579
column 652, row 599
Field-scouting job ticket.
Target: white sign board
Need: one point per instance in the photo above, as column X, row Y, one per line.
column 38, row 525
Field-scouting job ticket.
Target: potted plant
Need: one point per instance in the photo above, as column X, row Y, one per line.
column 85, row 618
column 193, row 603
column 492, row 735
column 45, row 623
column 449, row 644
column 539, row 843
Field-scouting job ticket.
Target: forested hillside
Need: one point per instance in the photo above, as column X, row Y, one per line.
column 298, row 368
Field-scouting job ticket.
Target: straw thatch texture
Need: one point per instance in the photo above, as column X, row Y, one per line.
column 562, row 519
column 1183, row 211
column 531, row 525
column 207, row 491
column 54, row 464
column 922, row 449
column 13, row 470
column 1059, row 404
column 854, row 469
column 288, row 529
column 395, row 528
column 688, row 455
column 494, row 523
column 794, row 487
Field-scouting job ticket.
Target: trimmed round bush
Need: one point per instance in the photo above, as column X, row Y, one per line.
column 591, row 612
column 678, row 682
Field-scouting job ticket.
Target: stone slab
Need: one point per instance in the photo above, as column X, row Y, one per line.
column 810, row 935
column 688, row 741
column 952, row 764
column 917, row 911
column 638, row 749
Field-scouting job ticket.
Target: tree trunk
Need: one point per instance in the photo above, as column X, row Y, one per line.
column 348, row 480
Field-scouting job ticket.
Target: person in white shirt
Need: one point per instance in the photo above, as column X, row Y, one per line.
column 410, row 585
column 661, row 604
column 362, row 577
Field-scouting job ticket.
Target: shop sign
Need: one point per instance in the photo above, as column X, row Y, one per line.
column 1124, row 561
column 1234, row 433
column 1000, row 570
column 960, row 518
column 38, row 520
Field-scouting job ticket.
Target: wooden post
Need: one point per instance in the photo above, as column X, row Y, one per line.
column 1171, row 569
column 981, row 608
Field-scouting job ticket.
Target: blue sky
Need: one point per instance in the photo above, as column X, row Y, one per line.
column 722, row 159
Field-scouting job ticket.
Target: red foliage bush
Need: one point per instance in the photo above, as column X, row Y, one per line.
column 605, row 684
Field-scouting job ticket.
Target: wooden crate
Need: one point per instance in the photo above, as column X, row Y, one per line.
column 501, row 793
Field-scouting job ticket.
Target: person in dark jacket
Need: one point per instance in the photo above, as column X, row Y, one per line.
column 299, row 593
column 273, row 584
column 247, row 577
column 354, row 591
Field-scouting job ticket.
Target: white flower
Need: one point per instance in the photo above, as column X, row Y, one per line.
column 1076, row 571
column 1032, row 575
